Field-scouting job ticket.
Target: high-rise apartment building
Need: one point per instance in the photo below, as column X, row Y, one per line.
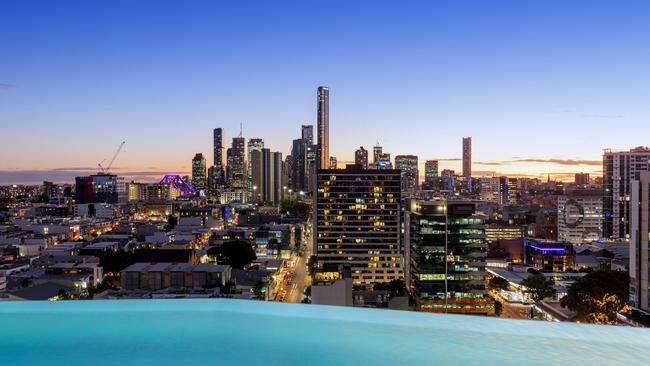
column 580, row 216
column 323, row 122
column 237, row 174
column 620, row 168
column 361, row 157
column 408, row 165
column 266, row 174
column 467, row 157
column 300, row 168
column 639, row 243
column 445, row 251
column 199, row 173
column 357, row 222
column 307, row 134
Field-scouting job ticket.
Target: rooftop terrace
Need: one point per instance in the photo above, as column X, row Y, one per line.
column 232, row 332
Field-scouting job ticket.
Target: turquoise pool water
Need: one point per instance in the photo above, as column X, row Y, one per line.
column 233, row 332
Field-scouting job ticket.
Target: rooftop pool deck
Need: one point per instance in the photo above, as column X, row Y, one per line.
column 238, row 332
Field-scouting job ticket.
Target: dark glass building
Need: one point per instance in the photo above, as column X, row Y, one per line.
column 445, row 250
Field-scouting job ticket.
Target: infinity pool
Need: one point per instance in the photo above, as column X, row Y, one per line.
column 233, row 332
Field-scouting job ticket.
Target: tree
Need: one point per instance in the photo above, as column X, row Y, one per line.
column 598, row 296
column 115, row 261
column 498, row 307
column 498, row 283
column 311, row 263
column 538, row 287
column 236, row 253
column 293, row 207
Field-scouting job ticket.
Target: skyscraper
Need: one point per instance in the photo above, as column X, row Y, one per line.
column 266, row 173
column 357, row 222
column 445, row 250
column 237, row 163
column 254, row 144
column 218, row 148
column 467, row 157
column 376, row 154
column 619, row 169
column 199, row 173
column 323, row 121
column 361, row 157
column 307, row 134
column 408, row 165
column 333, row 162
column 430, row 171
column 639, row 243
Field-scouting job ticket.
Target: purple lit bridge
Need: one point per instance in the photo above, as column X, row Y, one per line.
column 178, row 183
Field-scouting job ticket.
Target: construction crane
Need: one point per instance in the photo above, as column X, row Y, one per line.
column 110, row 164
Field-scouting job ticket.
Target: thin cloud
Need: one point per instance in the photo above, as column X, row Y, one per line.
column 7, row 86
column 449, row 159
column 560, row 161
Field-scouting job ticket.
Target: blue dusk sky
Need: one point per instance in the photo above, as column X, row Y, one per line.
column 541, row 86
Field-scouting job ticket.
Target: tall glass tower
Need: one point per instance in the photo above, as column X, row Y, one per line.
column 323, row 120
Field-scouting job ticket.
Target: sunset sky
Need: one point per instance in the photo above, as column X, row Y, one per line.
column 541, row 86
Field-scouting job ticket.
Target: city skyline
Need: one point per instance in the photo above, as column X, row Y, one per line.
column 535, row 103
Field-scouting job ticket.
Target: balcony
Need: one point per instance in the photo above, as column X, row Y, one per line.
column 233, row 332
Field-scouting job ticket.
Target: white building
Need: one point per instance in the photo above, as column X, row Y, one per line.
column 580, row 216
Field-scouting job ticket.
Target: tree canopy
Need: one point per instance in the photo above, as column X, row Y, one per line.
column 498, row 283
column 598, row 296
column 293, row 207
column 538, row 287
column 236, row 253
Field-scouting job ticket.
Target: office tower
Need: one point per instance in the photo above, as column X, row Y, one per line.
column 254, row 144
column 237, row 163
column 580, row 216
column 384, row 161
column 199, row 173
column 323, row 121
column 98, row 188
column 376, row 154
column 581, row 179
column 307, row 134
column 501, row 190
column 361, row 157
column 299, row 165
column 408, row 165
column 357, row 222
column 267, row 171
column 219, row 148
column 312, row 165
column 445, row 251
column 430, row 171
column 639, row 244
column 467, row 157
column 333, row 162
column 216, row 182
column 619, row 169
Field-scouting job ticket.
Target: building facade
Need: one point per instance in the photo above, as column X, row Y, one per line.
column 467, row 157
column 580, row 216
column 361, row 157
column 199, row 173
column 620, row 168
column 323, row 124
column 445, row 251
column 357, row 222
column 236, row 169
column 408, row 165
column 639, row 243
